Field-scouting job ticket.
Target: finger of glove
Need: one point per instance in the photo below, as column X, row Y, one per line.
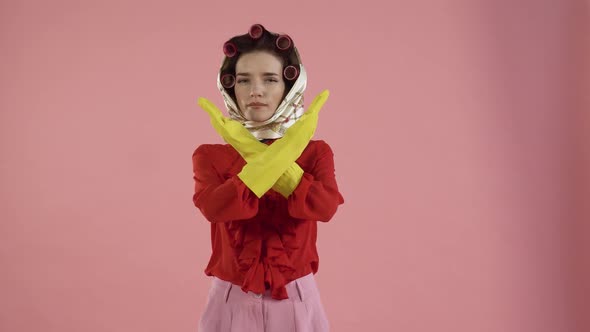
column 211, row 109
column 220, row 129
column 318, row 102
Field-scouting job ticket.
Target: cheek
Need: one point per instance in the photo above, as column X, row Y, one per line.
column 279, row 94
column 239, row 95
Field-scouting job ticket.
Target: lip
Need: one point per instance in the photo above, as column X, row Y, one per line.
column 255, row 104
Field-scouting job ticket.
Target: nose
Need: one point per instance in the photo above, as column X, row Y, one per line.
column 256, row 90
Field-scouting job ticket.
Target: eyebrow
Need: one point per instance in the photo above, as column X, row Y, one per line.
column 264, row 74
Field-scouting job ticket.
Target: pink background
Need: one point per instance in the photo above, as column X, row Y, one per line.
column 461, row 137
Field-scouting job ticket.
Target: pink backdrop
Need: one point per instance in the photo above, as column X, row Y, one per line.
column 461, row 137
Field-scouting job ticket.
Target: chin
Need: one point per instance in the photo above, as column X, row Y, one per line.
column 259, row 117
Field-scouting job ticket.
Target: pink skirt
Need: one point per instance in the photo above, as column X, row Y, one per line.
column 229, row 309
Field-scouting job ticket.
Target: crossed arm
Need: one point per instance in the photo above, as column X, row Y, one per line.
column 269, row 166
column 311, row 195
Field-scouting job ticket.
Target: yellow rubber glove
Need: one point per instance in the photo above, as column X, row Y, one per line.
column 261, row 173
column 288, row 181
column 248, row 146
column 233, row 132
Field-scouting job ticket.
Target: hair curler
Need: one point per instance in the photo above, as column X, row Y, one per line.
column 230, row 49
column 284, row 42
column 228, row 81
column 256, row 31
column 290, row 72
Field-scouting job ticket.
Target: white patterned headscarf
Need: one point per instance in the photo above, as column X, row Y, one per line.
column 288, row 111
column 291, row 107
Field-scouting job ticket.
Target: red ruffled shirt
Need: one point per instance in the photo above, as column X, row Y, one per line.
column 263, row 243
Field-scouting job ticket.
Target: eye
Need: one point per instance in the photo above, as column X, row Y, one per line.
column 242, row 80
column 272, row 80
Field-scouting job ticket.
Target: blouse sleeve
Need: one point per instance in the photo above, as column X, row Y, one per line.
column 317, row 196
column 220, row 200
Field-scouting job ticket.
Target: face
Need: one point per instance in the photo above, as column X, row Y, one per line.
column 259, row 85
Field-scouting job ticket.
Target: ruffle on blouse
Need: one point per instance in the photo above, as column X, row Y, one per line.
column 262, row 258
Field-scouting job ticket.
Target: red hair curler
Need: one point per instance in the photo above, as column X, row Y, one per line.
column 228, row 81
column 230, row 49
column 290, row 73
column 283, row 42
column 256, row 31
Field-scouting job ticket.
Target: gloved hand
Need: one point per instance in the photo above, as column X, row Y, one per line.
column 291, row 145
column 233, row 132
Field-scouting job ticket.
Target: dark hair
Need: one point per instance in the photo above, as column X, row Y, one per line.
column 256, row 40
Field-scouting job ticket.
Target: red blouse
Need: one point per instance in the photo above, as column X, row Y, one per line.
column 263, row 243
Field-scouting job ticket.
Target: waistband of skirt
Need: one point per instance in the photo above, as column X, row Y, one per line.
column 298, row 289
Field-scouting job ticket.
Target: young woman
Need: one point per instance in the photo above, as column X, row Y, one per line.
column 264, row 192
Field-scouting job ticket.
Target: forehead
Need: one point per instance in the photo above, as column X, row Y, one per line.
column 258, row 62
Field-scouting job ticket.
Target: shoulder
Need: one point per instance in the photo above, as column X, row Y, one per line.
column 318, row 149
column 320, row 146
column 212, row 150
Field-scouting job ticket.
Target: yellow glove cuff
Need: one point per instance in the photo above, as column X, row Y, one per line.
column 287, row 183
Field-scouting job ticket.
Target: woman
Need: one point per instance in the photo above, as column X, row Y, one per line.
column 264, row 191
